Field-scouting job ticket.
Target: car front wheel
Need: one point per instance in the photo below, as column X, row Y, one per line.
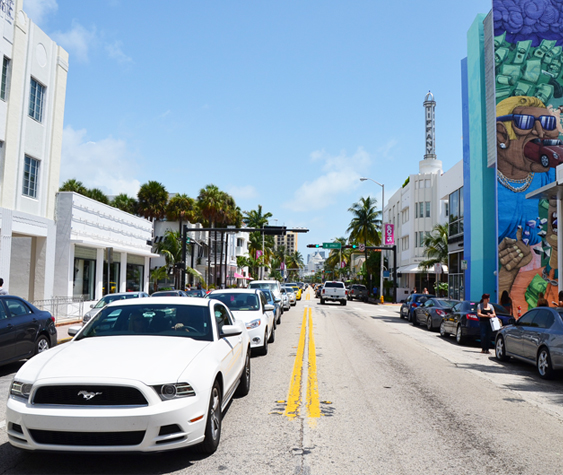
column 213, row 424
column 429, row 323
column 41, row 345
column 544, row 161
column 459, row 336
column 244, row 385
column 500, row 349
column 545, row 369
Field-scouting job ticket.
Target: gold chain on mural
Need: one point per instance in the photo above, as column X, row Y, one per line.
column 506, row 182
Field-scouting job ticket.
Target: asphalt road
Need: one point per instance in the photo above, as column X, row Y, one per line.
column 357, row 390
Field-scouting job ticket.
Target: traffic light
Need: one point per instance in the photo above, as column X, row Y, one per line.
column 313, row 245
column 354, row 246
column 188, row 240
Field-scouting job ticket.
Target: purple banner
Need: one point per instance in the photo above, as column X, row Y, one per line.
column 389, row 230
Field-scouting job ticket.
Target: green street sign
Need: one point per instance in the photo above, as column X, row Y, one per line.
column 332, row 245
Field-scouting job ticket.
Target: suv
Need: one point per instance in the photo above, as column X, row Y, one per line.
column 358, row 291
column 272, row 285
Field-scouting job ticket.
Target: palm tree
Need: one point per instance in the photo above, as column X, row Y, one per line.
column 181, row 208
column 258, row 219
column 74, row 185
column 171, row 249
column 435, row 247
column 333, row 260
column 124, row 203
column 294, row 261
column 365, row 226
column 152, row 200
column 98, row 195
column 158, row 273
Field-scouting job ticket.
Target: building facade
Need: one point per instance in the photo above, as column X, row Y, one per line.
column 32, row 99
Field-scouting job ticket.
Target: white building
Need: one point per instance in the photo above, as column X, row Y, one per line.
column 32, row 99
column 87, row 232
column 315, row 263
column 414, row 210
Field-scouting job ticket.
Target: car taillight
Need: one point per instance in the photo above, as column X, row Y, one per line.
column 345, row 292
column 472, row 316
column 441, row 313
column 415, row 305
column 53, row 318
column 323, row 291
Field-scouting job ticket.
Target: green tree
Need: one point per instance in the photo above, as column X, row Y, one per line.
column 171, row 249
column 181, row 208
column 294, row 261
column 74, row 185
column 333, row 258
column 435, row 247
column 258, row 219
column 98, row 195
column 365, row 226
column 152, row 199
column 124, row 203
column 158, row 273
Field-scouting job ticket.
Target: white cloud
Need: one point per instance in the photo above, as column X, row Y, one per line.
column 243, row 192
column 341, row 175
column 77, row 41
column 106, row 164
column 115, row 52
column 37, row 10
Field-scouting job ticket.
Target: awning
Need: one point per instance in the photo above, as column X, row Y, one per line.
column 414, row 269
column 248, row 278
column 238, row 276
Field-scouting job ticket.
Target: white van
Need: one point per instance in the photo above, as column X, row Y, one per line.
column 272, row 285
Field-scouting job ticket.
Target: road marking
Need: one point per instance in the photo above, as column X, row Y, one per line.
column 313, row 406
column 294, row 396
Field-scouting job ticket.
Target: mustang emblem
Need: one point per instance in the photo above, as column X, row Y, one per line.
column 88, row 395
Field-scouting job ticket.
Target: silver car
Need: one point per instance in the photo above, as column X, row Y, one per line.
column 108, row 299
column 535, row 338
column 285, row 299
column 291, row 295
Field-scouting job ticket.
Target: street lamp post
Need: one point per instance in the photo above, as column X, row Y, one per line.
column 382, row 232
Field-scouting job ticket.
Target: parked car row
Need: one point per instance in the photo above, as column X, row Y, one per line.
column 167, row 368
column 535, row 338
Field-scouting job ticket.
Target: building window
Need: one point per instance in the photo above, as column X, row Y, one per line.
column 428, row 209
column 36, row 98
column 427, row 183
column 456, row 212
column 30, row 177
column 5, row 77
column 447, row 209
column 421, row 209
column 405, row 243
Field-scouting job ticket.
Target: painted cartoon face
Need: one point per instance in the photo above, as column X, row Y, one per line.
column 525, row 130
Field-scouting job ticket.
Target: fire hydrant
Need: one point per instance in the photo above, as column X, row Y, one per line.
column 381, row 299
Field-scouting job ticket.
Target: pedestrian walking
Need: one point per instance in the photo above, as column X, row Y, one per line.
column 425, row 291
column 3, row 291
column 485, row 311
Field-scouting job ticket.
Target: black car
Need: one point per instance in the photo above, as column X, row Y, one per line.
column 463, row 321
column 358, row 292
column 24, row 329
column 277, row 303
column 414, row 301
column 432, row 311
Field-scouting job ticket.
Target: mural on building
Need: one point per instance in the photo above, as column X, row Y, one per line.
column 529, row 100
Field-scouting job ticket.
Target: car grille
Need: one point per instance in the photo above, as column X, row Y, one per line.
column 97, row 439
column 89, row 395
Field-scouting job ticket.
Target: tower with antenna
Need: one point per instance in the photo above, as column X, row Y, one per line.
column 430, row 164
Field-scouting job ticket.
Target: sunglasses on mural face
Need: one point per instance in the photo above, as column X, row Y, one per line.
column 526, row 122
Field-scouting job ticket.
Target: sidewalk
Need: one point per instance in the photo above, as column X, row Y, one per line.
column 62, row 331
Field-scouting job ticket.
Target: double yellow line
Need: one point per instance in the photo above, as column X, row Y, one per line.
column 312, row 405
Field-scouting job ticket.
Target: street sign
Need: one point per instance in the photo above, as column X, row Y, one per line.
column 463, row 265
column 332, row 245
column 362, row 248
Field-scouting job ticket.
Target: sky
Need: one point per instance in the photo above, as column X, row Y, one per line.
column 282, row 104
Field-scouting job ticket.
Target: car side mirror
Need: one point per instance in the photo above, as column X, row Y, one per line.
column 72, row 331
column 231, row 330
column 91, row 305
column 511, row 321
column 269, row 308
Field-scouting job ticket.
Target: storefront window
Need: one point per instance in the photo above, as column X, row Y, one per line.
column 456, row 276
column 84, row 273
column 135, row 273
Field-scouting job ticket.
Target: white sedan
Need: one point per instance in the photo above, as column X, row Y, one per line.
column 143, row 375
column 251, row 307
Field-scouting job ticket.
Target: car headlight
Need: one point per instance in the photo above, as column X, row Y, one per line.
column 21, row 390
column 556, row 156
column 253, row 324
column 174, row 391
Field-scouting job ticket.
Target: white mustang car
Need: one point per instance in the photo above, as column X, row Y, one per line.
column 143, row 375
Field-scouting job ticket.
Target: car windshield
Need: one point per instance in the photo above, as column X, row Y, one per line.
column 166, row 293
column 551, row 142
column 335, row 284
column 112, row 298
column 448, row 303
column 268, row 295
column 238, row 301
column 194, row 293
column 262, row 285
column 151, row 319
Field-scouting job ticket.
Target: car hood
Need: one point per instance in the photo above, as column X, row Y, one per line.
column 150, row 359
column 247, row 316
